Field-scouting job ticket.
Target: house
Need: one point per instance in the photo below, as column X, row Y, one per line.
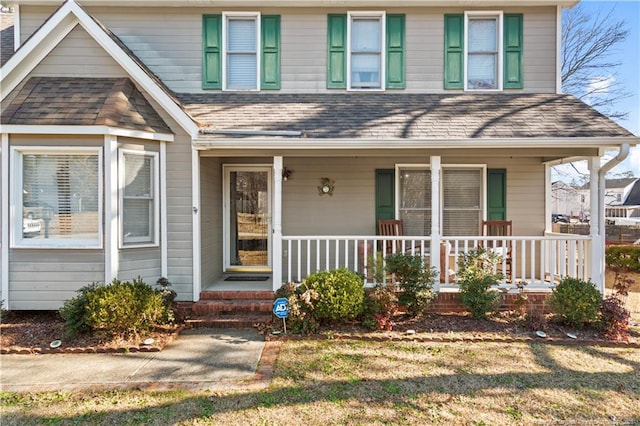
column 242, row 144
column 625, row 210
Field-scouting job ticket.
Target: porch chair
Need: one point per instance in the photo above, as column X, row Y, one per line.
column 500, row 228
column 391, row 228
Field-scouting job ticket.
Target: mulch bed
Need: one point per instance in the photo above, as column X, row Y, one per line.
column 31, row 332
column 26, row 332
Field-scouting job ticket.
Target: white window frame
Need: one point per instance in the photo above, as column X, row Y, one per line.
column 483, row 195
column 226, row 16
column 498, row 15
column 137, row 242
column 383, row 48
column 16, row 200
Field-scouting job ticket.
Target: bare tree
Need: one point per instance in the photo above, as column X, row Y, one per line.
column 589, row 70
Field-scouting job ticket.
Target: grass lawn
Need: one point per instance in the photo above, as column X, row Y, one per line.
column 319, row 382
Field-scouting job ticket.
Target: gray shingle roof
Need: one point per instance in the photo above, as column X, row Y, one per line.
column 408, row 116
column 82, row 101
column 6, row 37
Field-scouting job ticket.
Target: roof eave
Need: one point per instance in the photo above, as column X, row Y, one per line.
column 305, row 3
column 204, row 142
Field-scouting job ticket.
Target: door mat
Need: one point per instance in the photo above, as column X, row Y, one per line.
column 247, row 278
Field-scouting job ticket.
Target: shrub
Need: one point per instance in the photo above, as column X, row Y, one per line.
column 340, row 294
column 415, row 279
column 381, row 304
column 121, row 309
column 476, row 276
column 615, row 318
column 575, row 302
column 301, row 306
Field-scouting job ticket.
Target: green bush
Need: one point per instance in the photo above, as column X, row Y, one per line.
column 476, row 277
column 576, row 302
column 415, row 279
column 625, row 257
column 120, row 309
column 340, row 294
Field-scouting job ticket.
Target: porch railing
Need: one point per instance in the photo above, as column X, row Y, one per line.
column 539, row 260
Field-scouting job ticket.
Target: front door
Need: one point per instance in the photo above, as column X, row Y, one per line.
column 247, row 218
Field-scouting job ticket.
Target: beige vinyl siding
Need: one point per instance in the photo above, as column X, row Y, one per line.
column 44, row 279
column 351, row 209
column 78, row 55
column 179, row 211
column 211, row 219
column 169, row 42
column 143, row 262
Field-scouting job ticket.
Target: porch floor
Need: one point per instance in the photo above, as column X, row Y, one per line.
column 221, row 285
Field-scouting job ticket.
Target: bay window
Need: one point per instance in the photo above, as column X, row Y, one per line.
column 139, row 198
column 57, row 197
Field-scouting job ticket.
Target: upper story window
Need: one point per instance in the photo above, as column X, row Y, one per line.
column 366, row 62
column 483, row 51
column 482, row 58
column 365, row 51
column 240, row 59
column 241, row 51
column 57, row 197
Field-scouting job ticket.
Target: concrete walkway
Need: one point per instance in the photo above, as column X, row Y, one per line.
column 197, row 359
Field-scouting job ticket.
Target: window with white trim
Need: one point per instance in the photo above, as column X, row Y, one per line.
column 242, row 63
column 462, row 194
column 57, row 197
column 366, row 45
column 139, row 212
column 483, row 56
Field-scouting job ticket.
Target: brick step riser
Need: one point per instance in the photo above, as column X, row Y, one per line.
column 237, row 295
column 234, row 323
column 222, row 307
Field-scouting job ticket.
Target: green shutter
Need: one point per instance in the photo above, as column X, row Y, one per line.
column 212, row 52
column 496, row 194
column 337, row 52
column 270, row 62
column 513, row 51
column 395, row 52
column 454, row 51
column 385, row 195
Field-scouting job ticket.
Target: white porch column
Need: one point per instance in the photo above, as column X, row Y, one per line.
column 548, row 199
column 164, row 249
column 111, row 227
column 436, row 171
column 277, row 223
column 195, row 223
column 597, row 230
column 4, row 211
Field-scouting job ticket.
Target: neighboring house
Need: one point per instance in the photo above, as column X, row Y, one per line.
column 568, row 200
column 153, row 138
column 626, row 209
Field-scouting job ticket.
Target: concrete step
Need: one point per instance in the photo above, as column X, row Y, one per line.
column 236, row 295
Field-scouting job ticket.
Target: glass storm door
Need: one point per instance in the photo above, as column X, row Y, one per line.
column 247, row 211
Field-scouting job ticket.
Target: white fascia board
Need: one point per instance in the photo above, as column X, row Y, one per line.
column 342, row 144
column 84, row 130
column 305, row 3
column 35, row 49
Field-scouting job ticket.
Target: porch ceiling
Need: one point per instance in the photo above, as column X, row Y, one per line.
column 392, row 116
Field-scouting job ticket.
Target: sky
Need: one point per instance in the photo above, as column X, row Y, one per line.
column 628, row 74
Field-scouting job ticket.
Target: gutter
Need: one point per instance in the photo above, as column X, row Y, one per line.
column 622, row 154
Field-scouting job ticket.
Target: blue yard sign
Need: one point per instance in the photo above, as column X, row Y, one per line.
column 281, row 307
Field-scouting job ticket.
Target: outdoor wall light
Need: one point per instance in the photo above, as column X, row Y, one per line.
column 286, row 173
column 326, row 186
